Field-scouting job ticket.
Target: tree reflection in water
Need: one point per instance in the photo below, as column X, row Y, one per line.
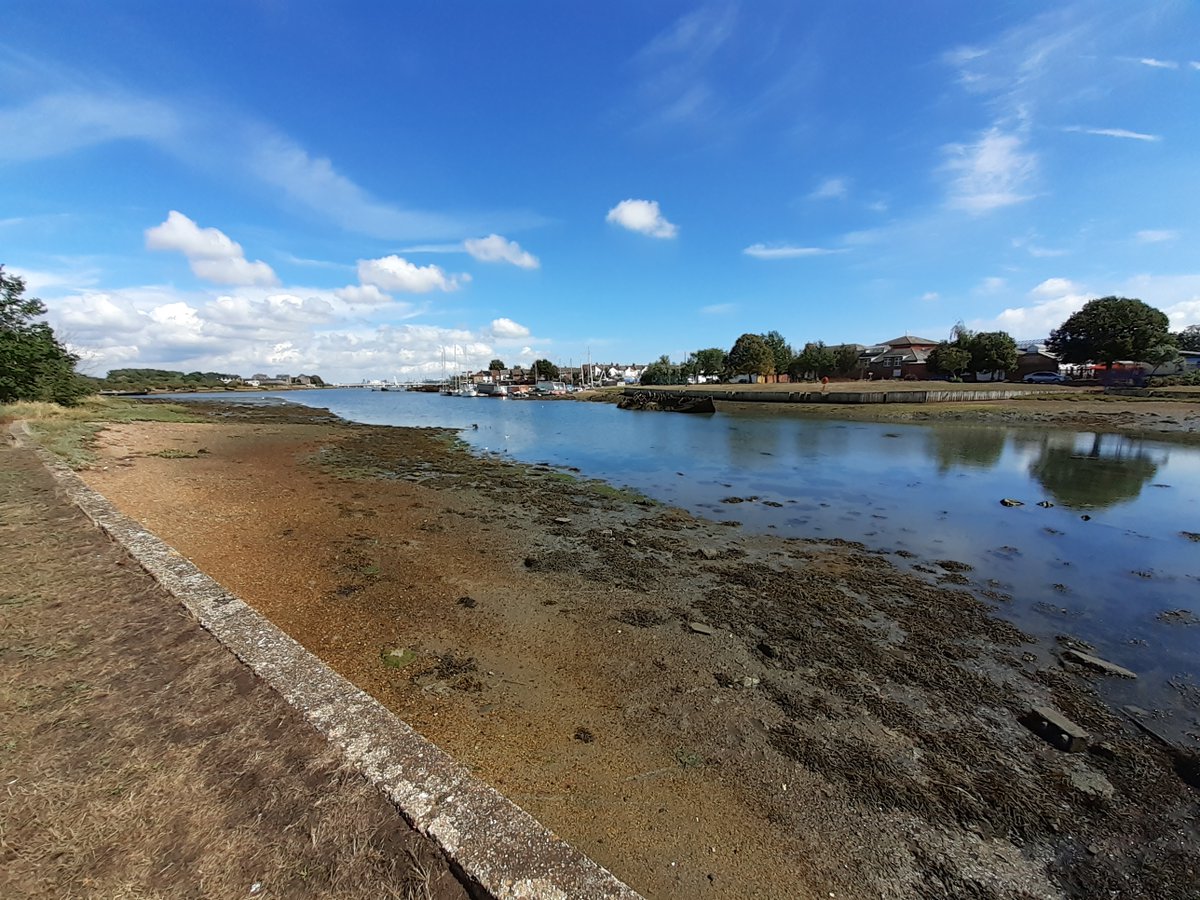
column 1103, row 471
column 977, row 448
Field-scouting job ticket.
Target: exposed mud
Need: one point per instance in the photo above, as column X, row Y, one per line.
column 706, row 713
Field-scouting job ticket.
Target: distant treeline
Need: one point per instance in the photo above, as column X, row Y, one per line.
column 168, row 380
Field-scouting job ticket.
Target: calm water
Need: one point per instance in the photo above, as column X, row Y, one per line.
column 932, row 489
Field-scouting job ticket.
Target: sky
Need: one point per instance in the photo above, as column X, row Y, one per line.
column 361, row 189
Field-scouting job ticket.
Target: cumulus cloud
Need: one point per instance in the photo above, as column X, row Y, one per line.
column 1052, row 301
column 830, row 189
column 990, row 173
column 786, row 251
column 1115, row 133
column 212, row 255
column 507, row 328
column 394, row 273
column 642, row 216
column 495, row 248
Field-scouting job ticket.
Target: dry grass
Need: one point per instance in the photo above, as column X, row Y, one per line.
column 140, row 759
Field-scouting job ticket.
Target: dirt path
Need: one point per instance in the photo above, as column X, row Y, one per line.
column 829, row 725
column 139, row 758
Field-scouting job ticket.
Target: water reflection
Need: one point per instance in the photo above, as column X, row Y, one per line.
column 1099, row 470
column 977, row 448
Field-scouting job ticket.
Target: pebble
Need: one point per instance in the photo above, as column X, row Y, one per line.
column 701, row 628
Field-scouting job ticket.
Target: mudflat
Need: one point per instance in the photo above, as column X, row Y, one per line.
column 704, row 712
column 140, row 759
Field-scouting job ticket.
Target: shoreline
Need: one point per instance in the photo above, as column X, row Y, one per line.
column 600, row 596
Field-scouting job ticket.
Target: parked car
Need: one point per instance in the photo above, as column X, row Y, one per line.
column 1045, row 378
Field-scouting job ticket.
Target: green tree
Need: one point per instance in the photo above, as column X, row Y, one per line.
column 497, row 365
column 815, row 361
column 845, row 360
column 546, row 370
column 1188, row 339
column 1109, row 329
column 781, row 350
column 33, row 364
column 948, row 359
column 710, row 361
column 1161, row 355
column 992, row 351
column 661, row 371
column 750, row 355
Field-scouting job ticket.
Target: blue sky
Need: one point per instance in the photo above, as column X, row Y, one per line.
column 350, row 188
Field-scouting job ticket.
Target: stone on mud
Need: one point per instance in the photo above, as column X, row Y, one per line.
column 1056, row 729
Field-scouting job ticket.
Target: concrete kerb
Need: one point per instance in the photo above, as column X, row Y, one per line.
column 491, row 840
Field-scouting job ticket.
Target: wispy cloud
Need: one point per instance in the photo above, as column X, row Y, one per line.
column 1114, row 132
column 1158, row 63
column 55, row 124
column 989, row 174
column 495, row 248
column 831, row 189
column 718, row 309
column 787, row 251
column 1156, row 236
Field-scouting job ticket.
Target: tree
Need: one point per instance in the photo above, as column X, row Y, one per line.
column 948, row 359
column 497, row 365
column 661, row 371
column 815, row 360
column 546, row 370
column 1109, row 329
column 992, row 351
column 1161, row 355
column 33, row 364
column 1188, row 339
column 750, row 355
column 845, row 360
column 710, row 361
column 781, row 350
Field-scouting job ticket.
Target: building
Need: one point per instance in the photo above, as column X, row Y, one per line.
column 905, row 356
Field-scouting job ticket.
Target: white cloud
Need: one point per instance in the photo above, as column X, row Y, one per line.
column 1053, row 300
column 786, row 251
column 1196, row 66
column 1158, row 63
column 991, row 285
column 495, row 248
column 1115, row 132
column 211, row 254
column 1156, row 236
column 362, row 295
column 394, row 273
column 931, row 296
column 508, row 329
column 830, row 189
column 642, row 216
column 989, row 174
column 60, row 123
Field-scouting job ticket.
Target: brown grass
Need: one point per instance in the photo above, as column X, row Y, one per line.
column 141, row 759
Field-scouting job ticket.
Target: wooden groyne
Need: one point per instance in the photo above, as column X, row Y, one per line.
column 847, row 397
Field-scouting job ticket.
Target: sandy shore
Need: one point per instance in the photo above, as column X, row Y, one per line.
column 706, row 713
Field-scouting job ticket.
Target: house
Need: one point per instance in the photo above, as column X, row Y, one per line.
column 1186, row 363
column 1033, row 357
column 900, row 357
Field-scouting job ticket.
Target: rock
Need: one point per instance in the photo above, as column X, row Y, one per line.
column 1085, row 517
column 468, row 602
column 750, row 681
column 606, row 532
column 708, row 553
column 584, row 735
column 630, row 542
column 1056, row 729
column 562, row 520
column 1093, row 784
column 701, row 628
column 1103, row 750
column 1102, row 666
column 1009, row 501
column 1045, row 504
